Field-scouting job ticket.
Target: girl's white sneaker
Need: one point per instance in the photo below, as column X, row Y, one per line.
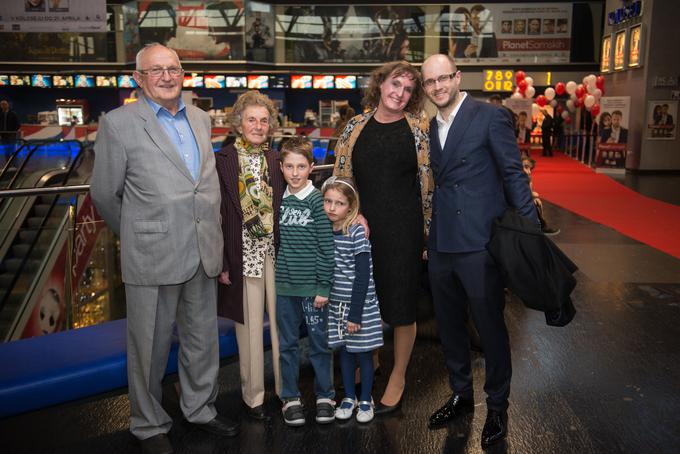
column 364, row 416
column 345, row 409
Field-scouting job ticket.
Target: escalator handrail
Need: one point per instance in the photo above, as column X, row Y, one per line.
column 40, row 228
column 8, row 164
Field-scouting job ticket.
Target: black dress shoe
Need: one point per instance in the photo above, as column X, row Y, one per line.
column 495, row 427
column 158, row 444
column 221, row 426
column 257, row 413
column 456, row 406
column 382, row 409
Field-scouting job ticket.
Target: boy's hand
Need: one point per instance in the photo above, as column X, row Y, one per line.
column 320, row 301
column 361, row 220
column 353, row 327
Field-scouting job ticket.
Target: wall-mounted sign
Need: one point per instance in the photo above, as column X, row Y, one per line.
column 619, row 50
column 498, row 80
column 53, row 16
column 606, row 58
column 625, row 13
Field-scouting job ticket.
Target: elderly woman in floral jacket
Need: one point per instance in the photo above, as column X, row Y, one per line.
column 386, row 151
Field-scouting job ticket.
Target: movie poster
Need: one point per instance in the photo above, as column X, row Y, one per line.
column 32, row 16
column 661, row 118
column 619, row 50
column 259, row 32
column 196, row 30
column 522, row 109
column 507, row 33
column 351, row 33
column 612, row 132
column 606, row 59
column 634, row 47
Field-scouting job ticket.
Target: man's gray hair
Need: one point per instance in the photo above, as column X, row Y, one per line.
column 138, row 58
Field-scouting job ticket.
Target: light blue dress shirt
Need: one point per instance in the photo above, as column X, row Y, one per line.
column 180, row 134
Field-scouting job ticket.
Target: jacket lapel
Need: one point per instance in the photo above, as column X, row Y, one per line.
column 460, row 124
column 197, row 128
column 160, row 138
column 232, row 167
column 435, row 146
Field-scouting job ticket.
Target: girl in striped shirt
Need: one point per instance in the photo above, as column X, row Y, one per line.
column 353, row 315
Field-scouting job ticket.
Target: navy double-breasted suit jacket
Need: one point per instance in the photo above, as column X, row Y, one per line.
column 477, row 175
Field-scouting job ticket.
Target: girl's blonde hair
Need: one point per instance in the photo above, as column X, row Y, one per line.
column 346, row 187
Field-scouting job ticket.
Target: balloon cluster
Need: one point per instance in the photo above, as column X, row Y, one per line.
column 587, row 94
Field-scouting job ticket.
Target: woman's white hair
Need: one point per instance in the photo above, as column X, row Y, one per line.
column 140, row 54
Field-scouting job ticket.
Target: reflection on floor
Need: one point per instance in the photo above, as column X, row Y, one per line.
column 607, row 383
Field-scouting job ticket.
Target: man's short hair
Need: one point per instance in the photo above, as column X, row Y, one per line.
column 297, row 145
column 138, row 57
column 617, row 112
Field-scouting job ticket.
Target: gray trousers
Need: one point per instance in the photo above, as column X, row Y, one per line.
column 151, row 314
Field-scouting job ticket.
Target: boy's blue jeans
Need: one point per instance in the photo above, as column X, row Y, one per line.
column 291, row 311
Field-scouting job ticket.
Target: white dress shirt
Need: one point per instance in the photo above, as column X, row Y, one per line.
column 445, row 125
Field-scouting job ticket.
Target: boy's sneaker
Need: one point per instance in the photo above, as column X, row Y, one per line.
column 293, row 413
column 325, row 410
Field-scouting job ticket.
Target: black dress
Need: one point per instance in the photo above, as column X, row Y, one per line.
column 386, row 173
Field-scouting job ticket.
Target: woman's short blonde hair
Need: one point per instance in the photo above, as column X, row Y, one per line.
column 395, row 68
column 253, row 98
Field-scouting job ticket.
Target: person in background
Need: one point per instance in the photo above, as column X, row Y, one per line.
column 9, row 123
column 528, row 165
column 353, row 315
column 547, row 133
column 252, row 188
column 155, row 184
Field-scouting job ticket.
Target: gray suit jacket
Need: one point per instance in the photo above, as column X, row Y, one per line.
column 167, row 223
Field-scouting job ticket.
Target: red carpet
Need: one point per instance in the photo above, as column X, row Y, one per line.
column 575, row 187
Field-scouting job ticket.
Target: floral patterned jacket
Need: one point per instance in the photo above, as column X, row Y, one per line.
column 420, row 126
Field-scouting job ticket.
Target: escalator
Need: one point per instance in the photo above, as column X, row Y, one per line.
column 33, row 229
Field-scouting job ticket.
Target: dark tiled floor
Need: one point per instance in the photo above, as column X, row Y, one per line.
column 607, row 383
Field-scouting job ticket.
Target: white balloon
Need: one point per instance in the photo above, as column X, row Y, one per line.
column 530, row 81
column 589, row 101
column 571, row 87
column 570, row 105
column 572, row 97
column 535, row 109
column 517, row 95
column 530, row 92
column 592, row 79
column 591, row 89
column 553, row 103
column 549, row 93
column 584, row 81
column 565, row 114
column 597, row 93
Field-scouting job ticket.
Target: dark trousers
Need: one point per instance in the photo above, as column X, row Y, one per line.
column 471, row 280
column 547, row 145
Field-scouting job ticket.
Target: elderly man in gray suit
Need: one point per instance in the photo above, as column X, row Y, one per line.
column 155, row 184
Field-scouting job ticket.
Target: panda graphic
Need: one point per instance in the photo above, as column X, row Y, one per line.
column 50, row 311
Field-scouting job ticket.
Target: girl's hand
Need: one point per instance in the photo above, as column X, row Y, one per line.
column 353, row 327
column 320, row 301
column 223, row 278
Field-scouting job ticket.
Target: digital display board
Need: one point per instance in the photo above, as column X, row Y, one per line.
column 345, row 82
column 60, row 81
column 258, row 82
column 126, row 81
column 214, row 81
column 278, row 81
column 41, row 80
column 4, row 80
column 106, row 81
column 193, row 81
column 300, row 81
column 85, row 81
column 498, row 80
column 236, row 82
column 323, row 82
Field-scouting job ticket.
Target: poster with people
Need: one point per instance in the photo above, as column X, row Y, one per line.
column 351, row 33
column 521, row 108
column 612, row 132
column 489, row 33
column 84, row 16
column 661, row 118
column 634, row 47
column 619, row 50
column 606, row 58
column 259, row 32
column 207, row 30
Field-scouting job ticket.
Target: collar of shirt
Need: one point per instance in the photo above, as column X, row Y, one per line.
column 157, row 107
column 303, row 193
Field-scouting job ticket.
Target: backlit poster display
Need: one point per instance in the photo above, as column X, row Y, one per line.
column 634, row 46
column 619, row 50
column 606, row 59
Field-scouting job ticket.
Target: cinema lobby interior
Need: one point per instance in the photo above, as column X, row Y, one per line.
column 215, row 235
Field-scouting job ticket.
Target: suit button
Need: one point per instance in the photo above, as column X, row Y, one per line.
column 437, row 187
column 462, row 160
column 459, row 211
column 455, row 185
column 198, row 220
column 196, row 191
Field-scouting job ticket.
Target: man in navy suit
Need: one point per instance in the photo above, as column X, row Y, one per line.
column 478, row 174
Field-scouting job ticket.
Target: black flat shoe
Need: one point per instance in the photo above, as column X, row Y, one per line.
column 220, row 426
column 382, row 409
column 158, row 444
column 495, row 427
column 455, row 407
column 257, row 413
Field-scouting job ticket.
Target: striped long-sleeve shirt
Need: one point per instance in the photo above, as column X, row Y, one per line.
column 305, row 261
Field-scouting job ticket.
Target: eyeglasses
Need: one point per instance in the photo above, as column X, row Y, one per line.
column 173, row 71
column 429, row 83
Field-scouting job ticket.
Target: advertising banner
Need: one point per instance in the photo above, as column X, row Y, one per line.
column 53, row 16
column 522, row 110
column 660, row 120
column 508, row 33
column 612, row 132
